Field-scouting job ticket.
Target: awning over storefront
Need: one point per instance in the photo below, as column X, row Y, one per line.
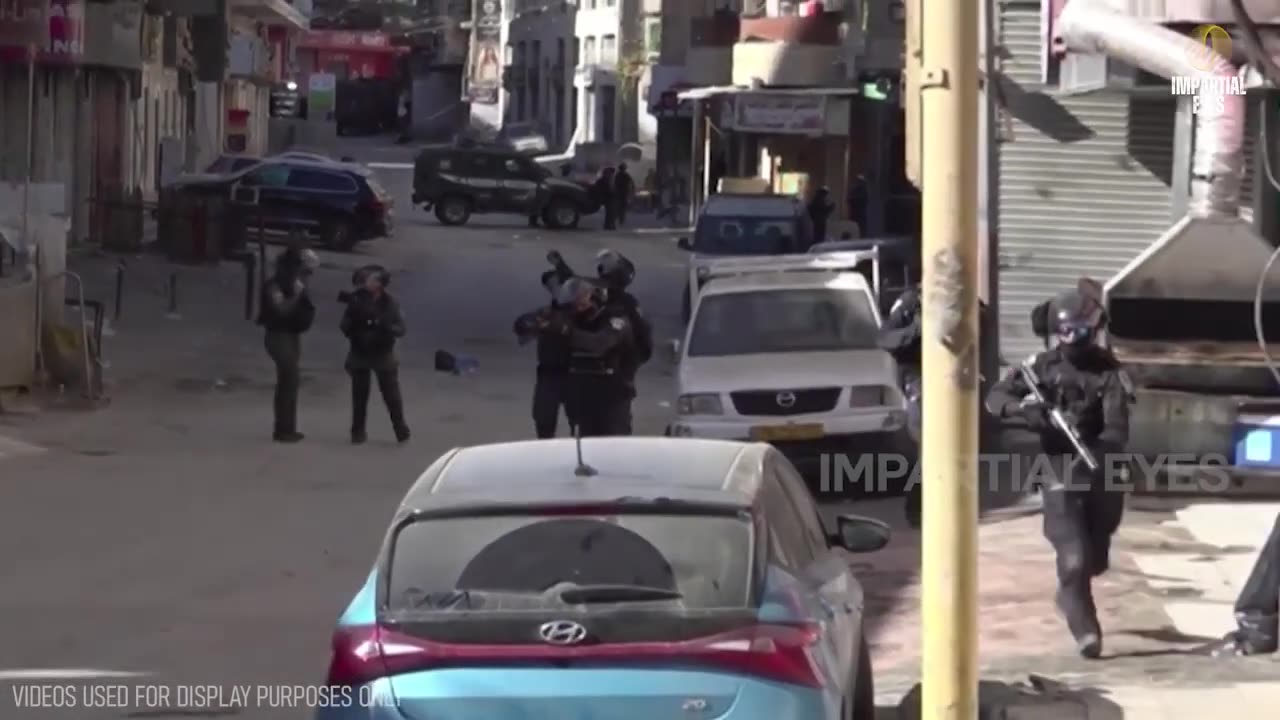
column 783, row 111
column 271, row 12
column 704, row 93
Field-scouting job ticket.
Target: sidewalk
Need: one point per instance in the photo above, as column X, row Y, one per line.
column 1036, row 697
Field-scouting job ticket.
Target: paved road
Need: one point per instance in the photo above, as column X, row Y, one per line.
column 164, row 534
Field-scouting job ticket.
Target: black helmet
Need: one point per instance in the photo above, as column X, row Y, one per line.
column 1075, row 318
column 614, row 268
column 297, row 260
column 359, row 277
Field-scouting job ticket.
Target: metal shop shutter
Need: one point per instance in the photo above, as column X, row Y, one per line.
column 1083, row 181
column 1248, row 191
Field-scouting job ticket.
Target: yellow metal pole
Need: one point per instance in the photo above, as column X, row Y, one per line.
column 948, row 82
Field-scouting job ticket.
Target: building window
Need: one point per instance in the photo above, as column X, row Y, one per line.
column 609, row 50
column 589, row 132
column 610, row 3
column 535, row 82
column 591, row 4
column 653, row 36
column 608, row 112
column 589, row 51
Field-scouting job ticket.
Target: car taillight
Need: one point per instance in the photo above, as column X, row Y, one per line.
column 867, row 396
column 375, row 205
column 774, row 652
column 778, row 652
column 357, row 656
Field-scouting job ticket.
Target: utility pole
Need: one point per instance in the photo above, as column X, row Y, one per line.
column 942, row 66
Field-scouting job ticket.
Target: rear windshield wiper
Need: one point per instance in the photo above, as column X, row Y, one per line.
column 616, row 593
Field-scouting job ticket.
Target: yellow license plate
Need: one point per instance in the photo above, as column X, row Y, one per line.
column 779, row 433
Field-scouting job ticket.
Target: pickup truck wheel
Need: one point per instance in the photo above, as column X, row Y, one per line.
column 453, row 210
column 561, row 214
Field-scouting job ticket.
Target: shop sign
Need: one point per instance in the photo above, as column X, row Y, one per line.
column 345, row 40
column 321, row 95
column 780, row 114
column 665, row 84
column 54, row 27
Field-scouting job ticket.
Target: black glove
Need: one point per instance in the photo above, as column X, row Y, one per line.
column 1036, row 416
column 556, row 324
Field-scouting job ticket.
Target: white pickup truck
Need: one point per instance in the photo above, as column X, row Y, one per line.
column 784, row 350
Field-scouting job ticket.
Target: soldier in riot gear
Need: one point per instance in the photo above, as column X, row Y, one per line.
column 551, row 384
column 373, row 324
column 1082, row 511
column 901, row 338
column 600, row 339
column 616, row 273
column 1257, row 607
column 286, row 313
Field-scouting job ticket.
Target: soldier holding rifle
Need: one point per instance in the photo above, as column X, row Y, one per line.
column 1075, row 396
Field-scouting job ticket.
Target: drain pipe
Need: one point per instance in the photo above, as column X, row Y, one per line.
column 1085, row 26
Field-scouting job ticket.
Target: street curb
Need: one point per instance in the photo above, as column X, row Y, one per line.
column 1038, row 698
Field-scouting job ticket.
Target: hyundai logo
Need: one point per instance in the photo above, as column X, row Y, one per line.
column 562, row 632
column 786, row 399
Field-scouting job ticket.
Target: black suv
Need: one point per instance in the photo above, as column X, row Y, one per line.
column 336, row 204
column 458, row 181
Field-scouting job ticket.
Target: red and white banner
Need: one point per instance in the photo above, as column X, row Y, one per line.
column 55, row 28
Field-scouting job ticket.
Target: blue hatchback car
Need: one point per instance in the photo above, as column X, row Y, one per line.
column 655, row 578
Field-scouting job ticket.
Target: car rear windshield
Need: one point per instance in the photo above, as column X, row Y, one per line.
column 745, row 236
column 230, row 163
column 538, row 563
column 781, row 321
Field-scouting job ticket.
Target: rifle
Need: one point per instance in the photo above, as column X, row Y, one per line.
column 1058, row 418
column 529, row 325
column 562, row 269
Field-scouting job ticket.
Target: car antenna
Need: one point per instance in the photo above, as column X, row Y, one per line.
column 583, row 469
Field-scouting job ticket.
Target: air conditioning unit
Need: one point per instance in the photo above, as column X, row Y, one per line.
column 1083, row 74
